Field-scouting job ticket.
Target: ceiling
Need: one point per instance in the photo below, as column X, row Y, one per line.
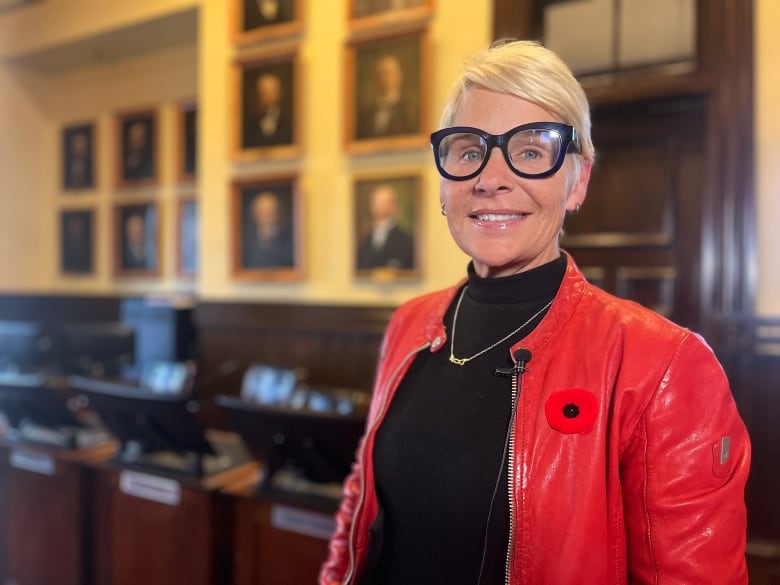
column 8, row 4
column 180, row 28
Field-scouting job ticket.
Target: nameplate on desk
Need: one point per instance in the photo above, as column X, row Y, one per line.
column 302, row 521
column 30, row 461
column 150, row 487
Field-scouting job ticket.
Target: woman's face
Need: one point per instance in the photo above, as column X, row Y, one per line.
column 504, row 222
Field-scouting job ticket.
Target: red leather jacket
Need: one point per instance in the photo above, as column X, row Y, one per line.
column 646, row 485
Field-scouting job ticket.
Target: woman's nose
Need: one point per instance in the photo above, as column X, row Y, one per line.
column 496, row 176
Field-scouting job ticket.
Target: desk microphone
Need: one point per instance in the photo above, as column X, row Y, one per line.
column 522, row 357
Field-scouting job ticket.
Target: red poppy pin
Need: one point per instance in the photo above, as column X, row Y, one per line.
column 571, row 411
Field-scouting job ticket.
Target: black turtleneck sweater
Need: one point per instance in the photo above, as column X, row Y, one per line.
column 438, row 452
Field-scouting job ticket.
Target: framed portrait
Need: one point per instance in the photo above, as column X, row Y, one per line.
column 137, row 148
column 388, row 88
column 372, row 13
column 258, row 20
column 267, row 112
column 387, row 226
column 187, row 237
column 267, row 229
column 78, row 157
column 187, row 141
column 77, row 241
column 137, row 240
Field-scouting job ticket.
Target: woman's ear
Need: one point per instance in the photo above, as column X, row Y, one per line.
column 580, row 188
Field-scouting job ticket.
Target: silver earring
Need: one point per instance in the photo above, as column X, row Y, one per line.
column 443, row 211
column 577, row 207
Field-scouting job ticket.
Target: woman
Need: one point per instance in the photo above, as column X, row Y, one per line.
column 527, row 427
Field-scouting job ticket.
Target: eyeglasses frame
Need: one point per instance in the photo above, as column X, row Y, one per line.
column 568, row 134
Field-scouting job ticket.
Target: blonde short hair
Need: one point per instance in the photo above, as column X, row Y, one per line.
column 527, row 70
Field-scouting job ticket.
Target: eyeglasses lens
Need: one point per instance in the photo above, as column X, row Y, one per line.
column 532, row 152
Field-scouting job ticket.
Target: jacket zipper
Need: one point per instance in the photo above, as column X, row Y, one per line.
column 361, row 500
column 511, row 475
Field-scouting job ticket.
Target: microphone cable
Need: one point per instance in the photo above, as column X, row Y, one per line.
column 522, row 356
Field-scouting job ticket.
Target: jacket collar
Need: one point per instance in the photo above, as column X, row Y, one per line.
column 569, row 294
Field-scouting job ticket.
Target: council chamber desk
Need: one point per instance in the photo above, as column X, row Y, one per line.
column 159, row 512
column 46, row 452
column 45, row 529
column 284, row 519
column 156, row 526
column 280, row 539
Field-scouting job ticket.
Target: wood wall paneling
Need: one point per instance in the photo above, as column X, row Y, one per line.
column 338, row 346
column 54, row 309
column 706, row 180
column 639, row 226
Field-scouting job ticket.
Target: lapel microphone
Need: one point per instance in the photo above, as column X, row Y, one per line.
column 522, row 357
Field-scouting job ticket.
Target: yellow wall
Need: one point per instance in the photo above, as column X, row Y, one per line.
column 35, row 105
column 39, row 104
column 33, row 108
column 767, row 102
column 326, row 171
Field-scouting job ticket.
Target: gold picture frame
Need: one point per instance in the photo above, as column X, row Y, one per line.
column 266, row 106
column 267, row 228
column 77, row 241
column 187, row 141
column 78, row 157
column 187, row 256
column 137, row 153
column 256, row 21
column 368, row 15
column 137, row 250
column 387, row 93
column 387, row 225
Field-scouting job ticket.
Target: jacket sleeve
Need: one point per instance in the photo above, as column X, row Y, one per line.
column 683, row 474
column 335, row 568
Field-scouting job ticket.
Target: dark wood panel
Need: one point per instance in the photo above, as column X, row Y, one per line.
column 725, row 254
column 632, row 192
column 48, row 309
column 45, row 527
column 653, row 287
column 266, row 554
column 764, row 425
column 137, row 540
column 644, row 205
column 514, row 19
column 45, row 520
column 749, row 350
column 338, row 346
column 763, row 419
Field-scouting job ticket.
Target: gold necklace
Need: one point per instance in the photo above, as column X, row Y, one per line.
column 463, row 361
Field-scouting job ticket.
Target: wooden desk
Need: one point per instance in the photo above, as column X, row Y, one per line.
column 279, row 541
column 154, row 527
column 45, row 528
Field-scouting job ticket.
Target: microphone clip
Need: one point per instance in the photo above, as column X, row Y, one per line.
column 523, row 356
column 515, row 370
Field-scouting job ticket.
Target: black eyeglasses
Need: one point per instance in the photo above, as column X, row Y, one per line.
column 534, row 151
